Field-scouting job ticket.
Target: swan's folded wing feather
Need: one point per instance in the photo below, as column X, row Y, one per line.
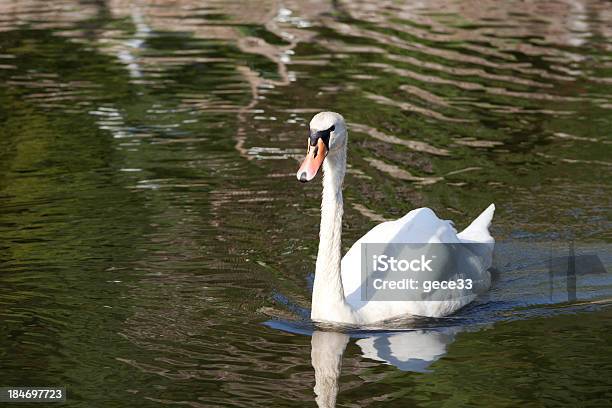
column 418, row 226
column 478, row 230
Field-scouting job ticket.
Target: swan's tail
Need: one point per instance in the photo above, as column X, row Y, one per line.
column 478, row 230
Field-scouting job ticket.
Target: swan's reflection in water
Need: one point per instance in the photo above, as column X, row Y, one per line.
column 408, row 350
column 530, row 280
column 411, row 350
column 326, row 355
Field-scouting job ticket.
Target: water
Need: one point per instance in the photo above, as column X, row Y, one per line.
column 156, row 248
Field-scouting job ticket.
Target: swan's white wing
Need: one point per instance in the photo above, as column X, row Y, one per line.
column 478, row 230
column 418, row 226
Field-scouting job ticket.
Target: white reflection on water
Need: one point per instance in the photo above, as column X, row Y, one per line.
column 533, row 279
column 408, row 351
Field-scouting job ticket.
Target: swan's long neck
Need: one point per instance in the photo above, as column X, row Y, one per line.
column 328, row 301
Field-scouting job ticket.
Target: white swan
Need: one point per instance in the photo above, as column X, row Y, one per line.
column 336, row 292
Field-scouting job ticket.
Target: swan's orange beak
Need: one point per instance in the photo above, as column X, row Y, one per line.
column 313, row 161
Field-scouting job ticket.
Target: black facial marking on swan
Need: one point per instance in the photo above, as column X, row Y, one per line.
column 323, row 135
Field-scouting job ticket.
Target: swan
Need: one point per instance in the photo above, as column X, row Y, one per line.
column 336, row 290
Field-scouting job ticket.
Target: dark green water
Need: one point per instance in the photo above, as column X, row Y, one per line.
column 156, row 249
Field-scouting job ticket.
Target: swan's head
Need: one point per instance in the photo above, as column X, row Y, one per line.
column 327, row 136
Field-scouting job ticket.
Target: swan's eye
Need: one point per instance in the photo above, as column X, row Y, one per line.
column 321, row 134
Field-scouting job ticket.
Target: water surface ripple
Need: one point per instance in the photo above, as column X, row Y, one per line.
column 157, row 250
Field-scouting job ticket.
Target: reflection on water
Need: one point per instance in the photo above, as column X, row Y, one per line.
column 578, row 282
column 326, row 354
column 150, row 220
column 408, row 351
column 531, row 280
